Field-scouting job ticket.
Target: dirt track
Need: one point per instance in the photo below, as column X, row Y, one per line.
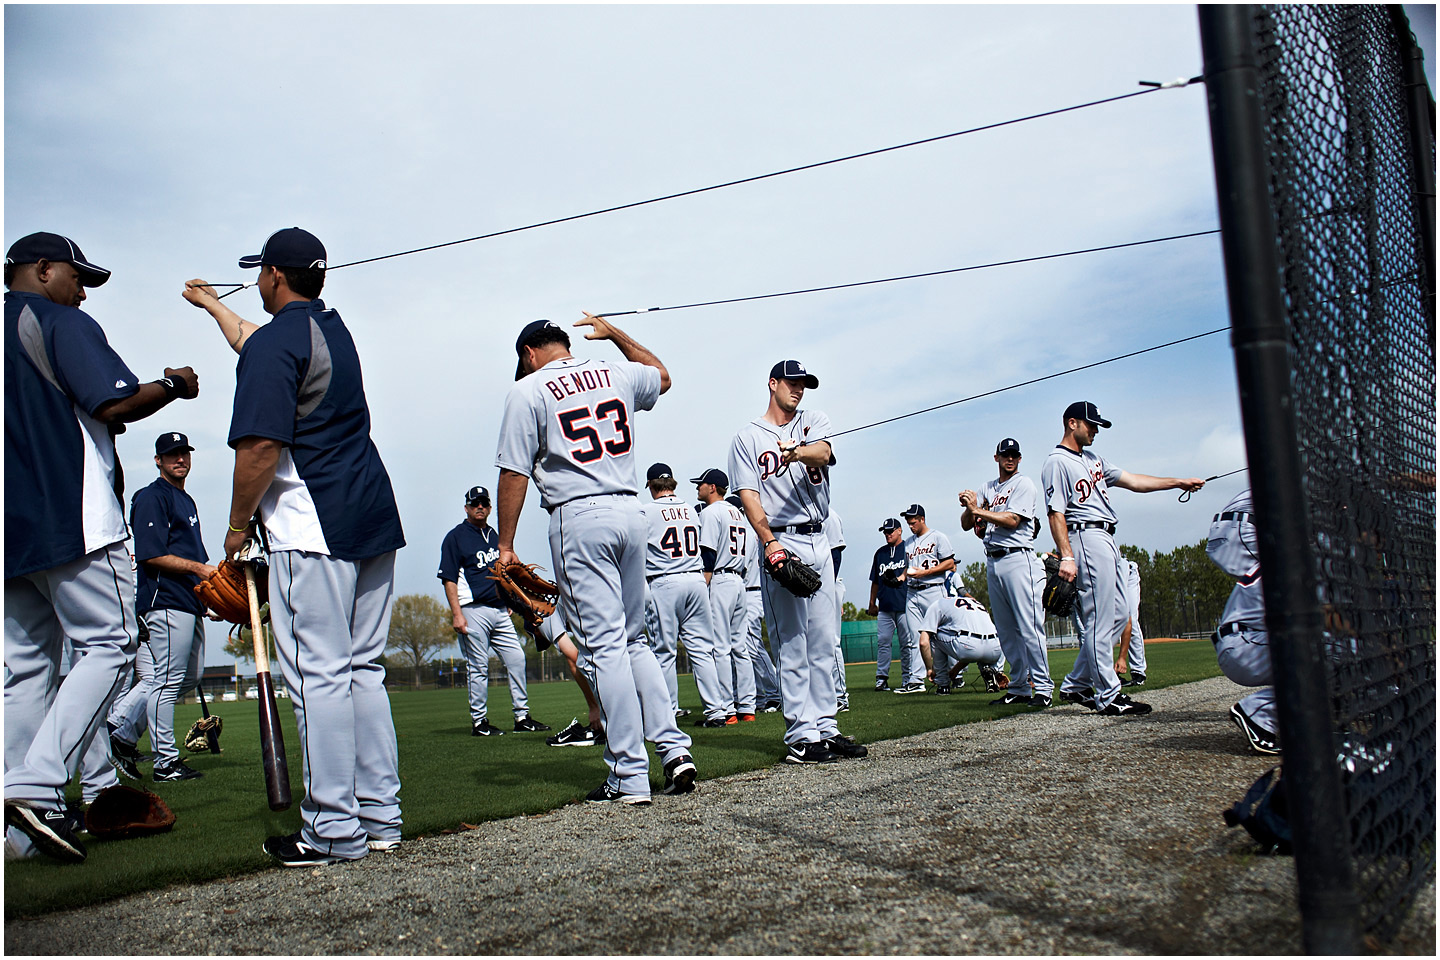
column 1057, row 832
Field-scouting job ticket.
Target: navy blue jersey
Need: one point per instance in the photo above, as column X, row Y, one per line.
column 473, row 553
column 890, row 560
column 60, row 500
column 298, row 382
column 165, row 522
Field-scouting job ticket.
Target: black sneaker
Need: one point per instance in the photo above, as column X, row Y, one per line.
column 682, row 712
column 528, row 724
column 816, row 752
column 712, row 722
column 52, row 831
column 1261, row 740
column 991, row 676
column 679, row 775
column 1136, row 680
column 772, row 706
column 842, row 706
column 916, row 687
column 1088, row 702
column 606, row 794
column 573, row 736
column 291, row 851
column 1040, row 700
column 1123, row 706
column 484, row 729
column 942, row 691
column 176, row 771
column 882, row 684
column 123, row 754
column 958, row 682
column 845, row 747
column 1008, row 699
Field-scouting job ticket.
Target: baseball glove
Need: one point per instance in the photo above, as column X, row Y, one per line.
column 198, row 740
column 995, row 679
column 799, row 578
column 531, row 596
column 122, row 811
column 892, row 580
column 225, row 593
column 1059, row 597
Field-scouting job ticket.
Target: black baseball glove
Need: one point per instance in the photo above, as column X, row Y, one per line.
column 204, row 735
column 792, row 574
column 1059, row 597
column 891, row 579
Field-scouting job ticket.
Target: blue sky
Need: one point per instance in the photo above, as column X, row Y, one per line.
column 168, row 141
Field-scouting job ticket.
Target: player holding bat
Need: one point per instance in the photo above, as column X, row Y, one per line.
column 304, row 462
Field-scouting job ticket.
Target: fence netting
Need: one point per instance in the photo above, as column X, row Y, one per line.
column 1364, row 384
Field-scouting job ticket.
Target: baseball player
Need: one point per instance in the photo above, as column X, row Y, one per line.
column 1006, row 513
column 928, row 557
column 780, row 466
column 305, row 464
column 1082, row 523
column 887, row 605
column 675, row 575
column 767, row 678
column 171, row 559
column 725, row 540
column 1242, row 642
column 961, row 627
column 569, row 424
column 1131, row 657
column 68, row 575
column 127, row 720
column 835, row 535
column 553, row 632
column 479, row 616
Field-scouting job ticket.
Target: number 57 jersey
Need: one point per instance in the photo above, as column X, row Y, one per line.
column 568, row 426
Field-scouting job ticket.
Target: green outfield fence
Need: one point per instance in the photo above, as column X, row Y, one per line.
column 1323, row 133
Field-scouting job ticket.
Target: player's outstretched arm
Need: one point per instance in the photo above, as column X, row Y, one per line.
column 1144, row 483
column 235, row 329
column 602, row 329
column 509, row 498
column 180, row 383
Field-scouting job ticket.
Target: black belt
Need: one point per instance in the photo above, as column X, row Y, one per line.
column 1234, row 515
column 1105, row 525
column 735, row 572
column 672, row 573
column 752, row 588
column 798, row 528
column 977, row 636
column 999, row 552
column 923, row 586
column 1227, row 629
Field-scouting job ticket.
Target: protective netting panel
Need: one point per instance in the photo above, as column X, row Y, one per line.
column 1364, row 386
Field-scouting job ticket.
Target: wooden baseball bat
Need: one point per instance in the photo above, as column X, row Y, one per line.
column 212, row 736
column 272, row 742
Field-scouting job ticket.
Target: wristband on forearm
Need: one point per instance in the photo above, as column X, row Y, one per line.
column 171, row 388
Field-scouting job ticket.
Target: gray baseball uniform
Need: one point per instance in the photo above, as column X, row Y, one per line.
column 568, row 426
column 961, row 627
column 724, row 529
column 1242, row 642
column 1132, row 606
column 921, row 553
column 1013, row 574
column 835, row 534
column 767, row 678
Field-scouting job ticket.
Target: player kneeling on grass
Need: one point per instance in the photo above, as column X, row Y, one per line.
column 961, row 628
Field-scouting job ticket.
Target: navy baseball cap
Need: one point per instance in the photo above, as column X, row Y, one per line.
column 170, row 442
column 57, row 249
column 291, row 247
column 888, row 525
column 532, row 328
column 1085, row 410
column 713, row 475
column 1008, row 445
column 915, row 511
column 476, row 495
column 659, row 471
column 793, row 370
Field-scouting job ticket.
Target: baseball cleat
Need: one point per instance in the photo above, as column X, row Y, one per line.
column 528, row 724
column 916, row 687
column 1261, row 740
column 52, row 831
column 729, row 720
column 745, row 717
column 958, row 681
column 845, row 747
column 1070, row 696
column 882, row 684
column 1040, row 700
column 772, row 706
column 382, row 846
column 291, row 851
column 682, row 712
column 711, row 722
column 815, row 752
column 124, row 765
column 573, row 736
column 843, row 706
column 1123, row 706
column 992, row 679
column 1008, row 699
column 1136, row 680
column 608, row 794
column 484, row 729
column 124, row 757
column 942, row 691
column 175, row 771
column 679, row 775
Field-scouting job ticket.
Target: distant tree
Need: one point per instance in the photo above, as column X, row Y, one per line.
column 1180, row 591
column 850, row 613
column 239, row 645
column 976, row 582
column 419, row 626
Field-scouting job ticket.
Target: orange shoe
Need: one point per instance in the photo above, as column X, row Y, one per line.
column 746, row 717
column 730, row 719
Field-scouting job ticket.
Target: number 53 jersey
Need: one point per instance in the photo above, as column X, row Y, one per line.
column 568, row 426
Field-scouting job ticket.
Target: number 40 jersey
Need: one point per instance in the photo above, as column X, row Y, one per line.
column 568, row 427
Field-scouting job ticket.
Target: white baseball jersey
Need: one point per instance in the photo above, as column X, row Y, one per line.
column 674, row 537
column 1233, row 543
column 834, row 531
column 568, row 427
column 923, row 552
column 724, row 529
column 752, row 558
column 951, row 616
column 790, row 493
column 1016, row 495
column 1076, row 484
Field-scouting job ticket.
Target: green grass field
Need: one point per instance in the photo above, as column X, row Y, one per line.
column 451, row 778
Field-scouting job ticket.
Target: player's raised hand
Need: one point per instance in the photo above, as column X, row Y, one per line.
column 968, row 499
column 1192, row 484
column 186, row 379
column 600, row 330
column 200, row 293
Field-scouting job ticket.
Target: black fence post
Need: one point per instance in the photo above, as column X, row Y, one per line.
column 1420, row 111
column 1261, row 343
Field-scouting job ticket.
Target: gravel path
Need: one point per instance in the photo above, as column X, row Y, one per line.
column 1108, row 841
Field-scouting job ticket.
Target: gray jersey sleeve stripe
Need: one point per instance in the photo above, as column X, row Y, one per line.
column 317, row 379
